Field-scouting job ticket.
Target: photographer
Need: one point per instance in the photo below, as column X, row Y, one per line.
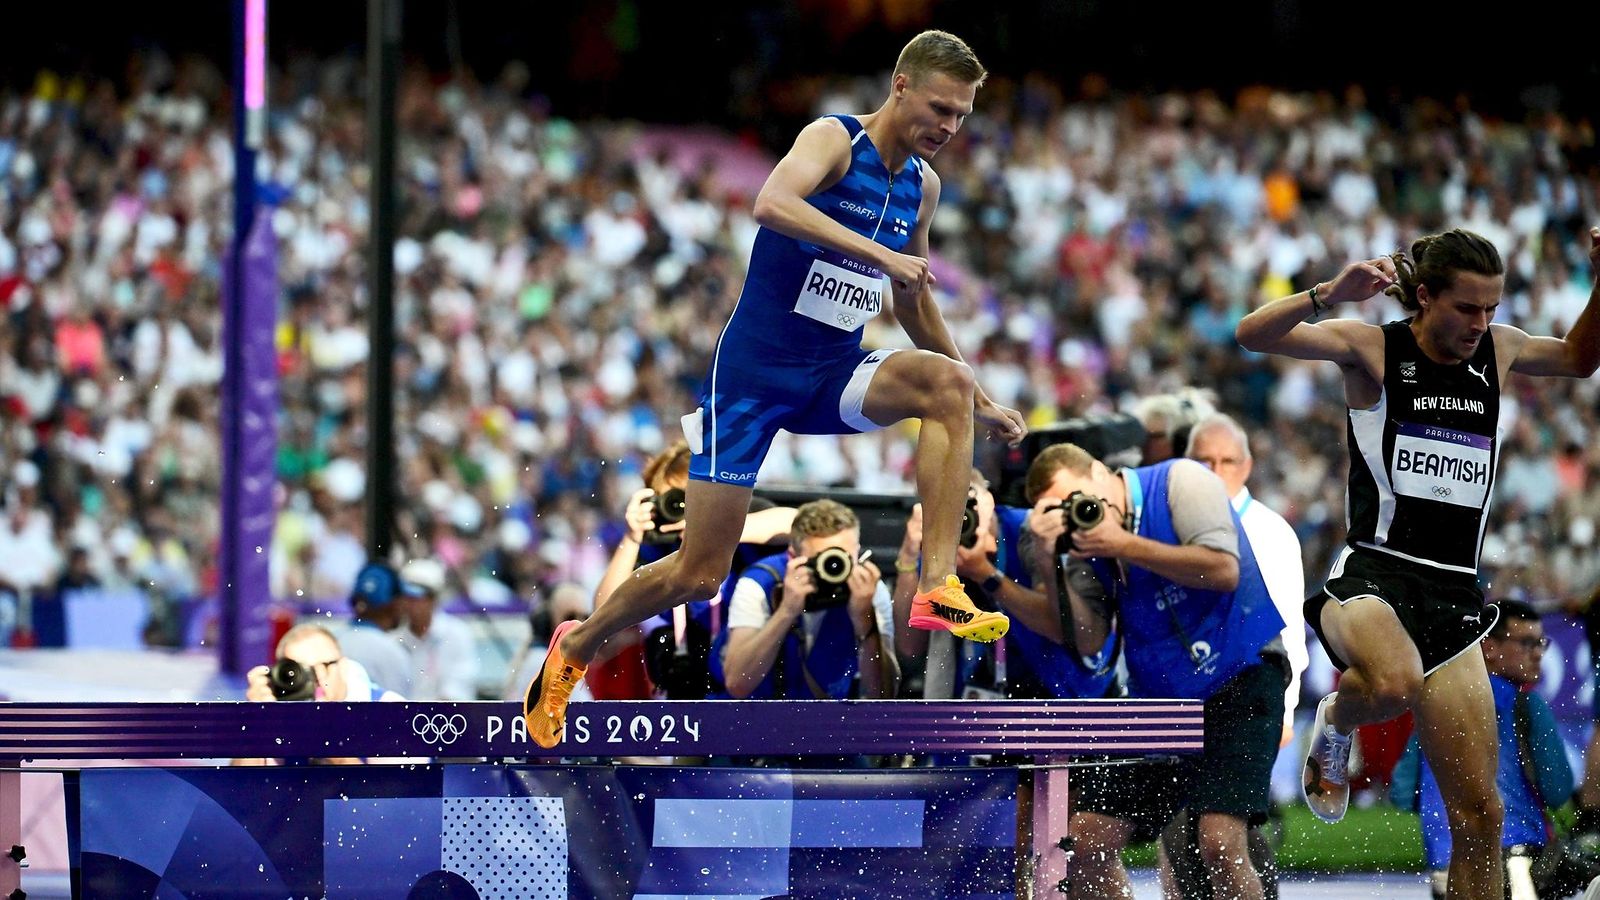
column 1033, row 663
column 310, row 665
column 805, row 624
column 655, row 521
column 1197, row 622
column 1533, row 775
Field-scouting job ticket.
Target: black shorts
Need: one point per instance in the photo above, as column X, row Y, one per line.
column 1443, row 612
column 1232, row 775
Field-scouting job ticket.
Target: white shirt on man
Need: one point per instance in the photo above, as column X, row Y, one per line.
column 443, row 662
column 1277, row 551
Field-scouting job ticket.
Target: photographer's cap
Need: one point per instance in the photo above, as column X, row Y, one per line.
column 376, row 585
column 421, row 577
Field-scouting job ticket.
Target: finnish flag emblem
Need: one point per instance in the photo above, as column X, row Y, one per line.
column 901, row 226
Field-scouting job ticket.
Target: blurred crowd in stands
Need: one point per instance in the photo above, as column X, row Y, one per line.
column 560, row 286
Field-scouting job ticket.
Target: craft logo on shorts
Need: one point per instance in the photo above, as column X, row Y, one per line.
column 840, row 292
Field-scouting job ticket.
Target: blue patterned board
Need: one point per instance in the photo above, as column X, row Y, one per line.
column 647, row 833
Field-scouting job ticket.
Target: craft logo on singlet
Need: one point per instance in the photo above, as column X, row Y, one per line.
column 858, row 209
column 840, row 292
column 1441, row 464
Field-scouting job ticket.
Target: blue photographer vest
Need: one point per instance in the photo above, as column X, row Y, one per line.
column 1034, row 663
column 831, row 659
column 1182, row 641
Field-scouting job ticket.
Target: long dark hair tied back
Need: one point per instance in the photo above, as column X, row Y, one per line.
column 1434, row 261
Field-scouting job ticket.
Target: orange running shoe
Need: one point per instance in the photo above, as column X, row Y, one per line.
column 544, row 706
column 947, row 608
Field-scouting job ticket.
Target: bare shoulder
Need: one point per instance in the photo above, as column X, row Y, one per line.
column 1365, row 343
column 824, row 132
column 1508, row 338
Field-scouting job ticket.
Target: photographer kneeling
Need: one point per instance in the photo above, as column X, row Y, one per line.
column 805, row 624
column 1197, row 622
column 310, row 666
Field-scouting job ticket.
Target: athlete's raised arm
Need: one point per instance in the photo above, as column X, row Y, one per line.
column 1279, row 327
column 1575, row 356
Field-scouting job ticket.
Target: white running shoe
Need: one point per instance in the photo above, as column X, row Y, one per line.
column 1325, row 782
column 1592, row 892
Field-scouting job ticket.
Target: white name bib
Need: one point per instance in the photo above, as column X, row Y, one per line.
column 1442, row 464
column 844, row 296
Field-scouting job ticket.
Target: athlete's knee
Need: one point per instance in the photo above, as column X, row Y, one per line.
column 1396, row 688
column 693, row 579
column 950, row 381
column 1479, row 815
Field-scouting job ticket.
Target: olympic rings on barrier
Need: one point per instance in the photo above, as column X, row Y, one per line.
column 439, row 728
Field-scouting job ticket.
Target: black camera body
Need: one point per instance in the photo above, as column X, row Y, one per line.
column 1079, row 512
column 969, row 523
column 291, row 681
column 666, row 508
column 830, row 570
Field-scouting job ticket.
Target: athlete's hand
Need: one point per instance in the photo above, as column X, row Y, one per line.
column 1004, row 424
column 910, row 274
column 1360, row 281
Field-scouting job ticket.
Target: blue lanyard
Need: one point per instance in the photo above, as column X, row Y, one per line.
column 1135, row 498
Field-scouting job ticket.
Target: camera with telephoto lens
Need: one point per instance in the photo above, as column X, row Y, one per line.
column 830, row 571
column 1080, row 512
column 291, row 681
column 969, row 523
column 666, row 508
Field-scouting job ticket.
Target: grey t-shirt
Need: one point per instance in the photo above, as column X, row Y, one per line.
column 1202, row 513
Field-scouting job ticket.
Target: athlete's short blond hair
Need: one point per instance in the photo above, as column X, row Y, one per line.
column 942, row 53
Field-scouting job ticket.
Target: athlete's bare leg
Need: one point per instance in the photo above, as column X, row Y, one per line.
column 1456, row 727
column 1384, row 678
column 713, row 521
column 939, row 391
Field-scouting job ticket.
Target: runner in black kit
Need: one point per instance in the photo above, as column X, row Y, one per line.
column 1424, row 406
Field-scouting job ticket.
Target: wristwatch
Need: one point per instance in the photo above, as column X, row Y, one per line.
column 991, row 585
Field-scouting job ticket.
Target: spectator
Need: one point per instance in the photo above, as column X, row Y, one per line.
column 443, row 655
column 374, row 613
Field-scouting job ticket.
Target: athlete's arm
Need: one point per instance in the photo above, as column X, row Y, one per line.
column 918, row 313
column 1575, row 356
column 819, row 158
column 1279, row 328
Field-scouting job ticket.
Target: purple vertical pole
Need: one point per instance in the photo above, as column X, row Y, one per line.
column 249, row 381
